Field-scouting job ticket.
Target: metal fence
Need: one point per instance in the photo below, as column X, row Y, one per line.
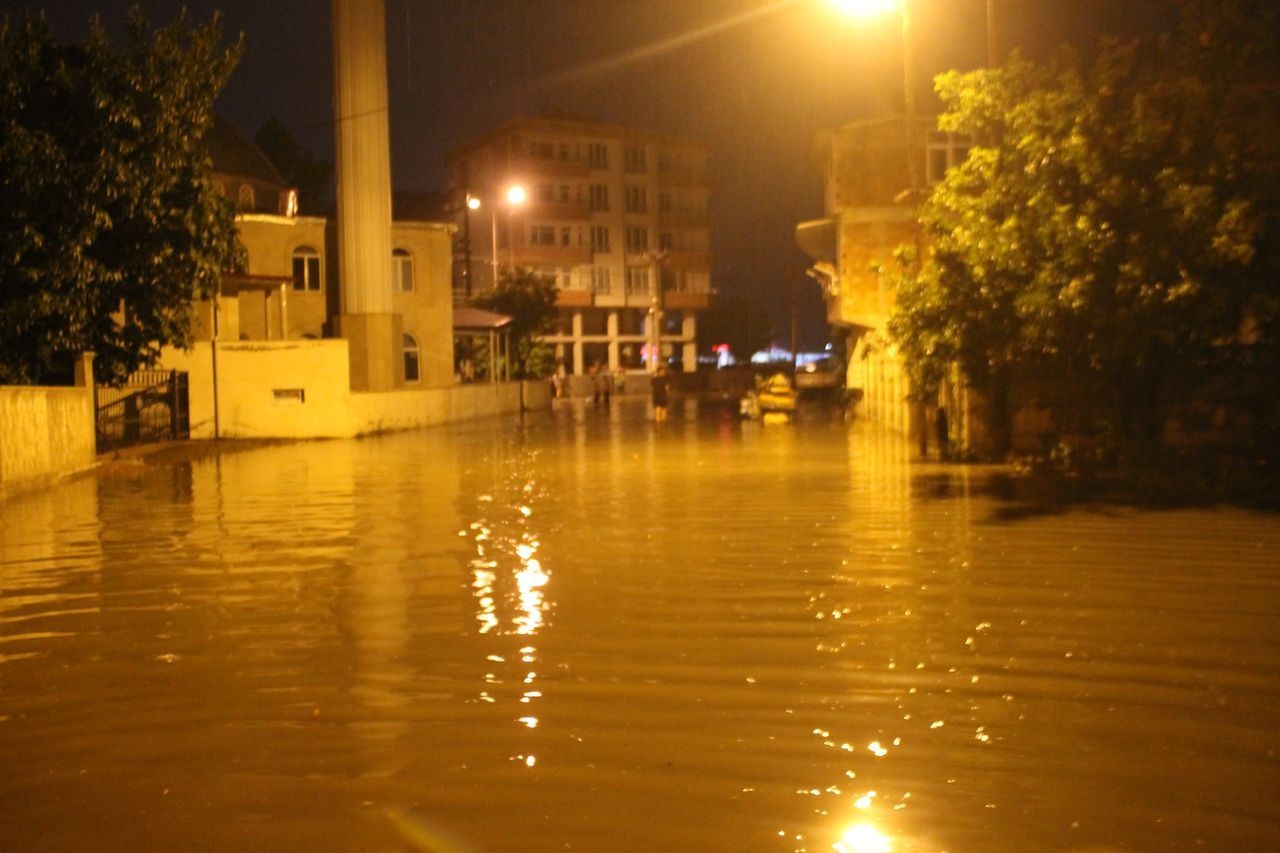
column 151, row 406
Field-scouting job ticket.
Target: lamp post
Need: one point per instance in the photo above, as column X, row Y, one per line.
column 473, row 203
column 514, row 197
column 656, row 257
column 864, row 9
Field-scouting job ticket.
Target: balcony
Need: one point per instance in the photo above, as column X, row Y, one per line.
column 533, row 167
column 687, row 176
column 683, row 218
column 688, row 259
column 575, row 298
column 686, row 300
column 557, row 210
column 552, row 256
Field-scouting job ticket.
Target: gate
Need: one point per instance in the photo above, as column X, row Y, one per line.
column 152, row 405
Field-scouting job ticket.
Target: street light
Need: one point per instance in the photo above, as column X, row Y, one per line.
column 656, row 259
column 473, row 203
column 514, row 197
column 863, row 9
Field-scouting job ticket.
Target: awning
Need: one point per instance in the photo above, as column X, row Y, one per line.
column 239, row 282
column 478, row 320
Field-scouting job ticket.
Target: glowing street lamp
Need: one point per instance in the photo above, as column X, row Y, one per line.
column 865, row 9
column 515, row 196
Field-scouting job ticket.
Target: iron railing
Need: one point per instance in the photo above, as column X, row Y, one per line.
column 152, row 405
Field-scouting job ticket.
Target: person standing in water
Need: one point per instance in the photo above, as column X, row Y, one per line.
column 658, row 394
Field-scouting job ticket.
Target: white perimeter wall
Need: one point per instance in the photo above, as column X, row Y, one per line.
column 44, row 432
column 300, row 389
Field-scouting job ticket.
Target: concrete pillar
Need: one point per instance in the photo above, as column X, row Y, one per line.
column 363, row 176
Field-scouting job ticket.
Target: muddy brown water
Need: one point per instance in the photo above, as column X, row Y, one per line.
column 590, row 632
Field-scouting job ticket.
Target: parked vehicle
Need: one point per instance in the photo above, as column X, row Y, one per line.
column 825, row 373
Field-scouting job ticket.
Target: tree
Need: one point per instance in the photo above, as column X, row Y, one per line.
column 311, row 176
column 109, row 225
column 530, row 300
column 1110, row 229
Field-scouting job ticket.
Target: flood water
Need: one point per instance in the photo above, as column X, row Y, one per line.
column 591, row 632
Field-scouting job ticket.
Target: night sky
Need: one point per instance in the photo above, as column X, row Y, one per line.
column 755, row 79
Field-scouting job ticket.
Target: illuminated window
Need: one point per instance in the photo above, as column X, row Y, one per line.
column 402, row 271
column 306, row 269
column 411, row 372
column 246, row 199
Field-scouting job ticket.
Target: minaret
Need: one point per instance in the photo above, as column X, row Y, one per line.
column 363, row 170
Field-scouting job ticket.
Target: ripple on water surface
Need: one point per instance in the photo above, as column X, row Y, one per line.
column 594, row 633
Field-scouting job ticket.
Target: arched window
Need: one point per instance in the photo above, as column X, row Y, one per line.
column 402, row 271
column 306, row 269
column 411, row 372
column 246, row 200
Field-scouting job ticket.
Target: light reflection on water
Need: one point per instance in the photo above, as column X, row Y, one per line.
column 594, row 633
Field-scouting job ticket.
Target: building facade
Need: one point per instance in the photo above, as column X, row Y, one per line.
column 618, row 218
column 289, row 288
column 869, row 204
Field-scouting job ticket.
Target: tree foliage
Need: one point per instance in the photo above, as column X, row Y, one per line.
column 530, row 300
column 1112, row 227
column 109, row 224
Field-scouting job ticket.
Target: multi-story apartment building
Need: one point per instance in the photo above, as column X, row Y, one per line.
column 869, row 205
column 616, row 217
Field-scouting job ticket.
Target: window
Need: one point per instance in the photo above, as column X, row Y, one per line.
column 566, row 235
column 600, row 280
column 637, row 200
column 542, row 235
column 564, row 195
column 599, row 197
column 541, row 150
column 664, row 201
column 411, row 373
column 637, row 239
column 598, row 155
column 545, row 193
column 306, row 269
column 635, row 159
column 666, row 241
column 401, row 271
column 246, row 201
column 637, row 281
column 944, row 151
column 599, row 238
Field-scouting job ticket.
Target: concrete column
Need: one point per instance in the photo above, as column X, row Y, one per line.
column 363, row 176
column 611, row 327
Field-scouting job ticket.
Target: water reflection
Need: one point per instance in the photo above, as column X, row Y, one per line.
column 594, row 631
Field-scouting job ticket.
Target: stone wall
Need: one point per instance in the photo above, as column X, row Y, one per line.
column 45, row 432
